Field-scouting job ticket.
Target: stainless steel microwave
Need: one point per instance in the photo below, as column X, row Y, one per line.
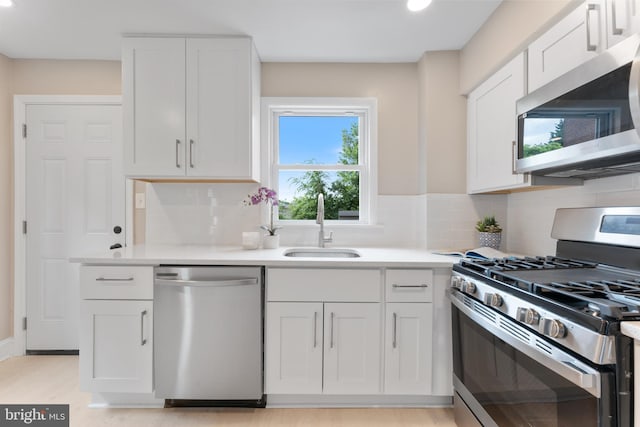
column 586, row 123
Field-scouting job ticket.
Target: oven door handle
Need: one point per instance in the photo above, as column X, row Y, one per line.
column 587, row 380
column 529, row 343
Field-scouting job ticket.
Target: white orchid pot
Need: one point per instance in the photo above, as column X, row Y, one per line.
column 270, row 241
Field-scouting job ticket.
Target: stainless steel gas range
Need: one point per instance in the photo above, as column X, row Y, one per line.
column 537, row 341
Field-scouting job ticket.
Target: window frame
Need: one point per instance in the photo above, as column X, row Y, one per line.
column 364, row 108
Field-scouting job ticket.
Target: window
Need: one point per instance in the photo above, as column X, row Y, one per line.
column 321, row 145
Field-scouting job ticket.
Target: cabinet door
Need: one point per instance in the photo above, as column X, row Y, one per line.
column 575, row 39
column 116, row 348
column 219, row 108
column 623, row 20
column 408, row 350
column 293, row 353
column 153, row 103
column 352, row 333
column 491, row 115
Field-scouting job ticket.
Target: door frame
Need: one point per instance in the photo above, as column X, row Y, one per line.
column 20, row 103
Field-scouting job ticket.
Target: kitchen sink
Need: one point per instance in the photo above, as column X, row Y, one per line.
column 322, row 253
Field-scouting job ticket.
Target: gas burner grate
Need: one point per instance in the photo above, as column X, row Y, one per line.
column 611, row 298
column 495, row 265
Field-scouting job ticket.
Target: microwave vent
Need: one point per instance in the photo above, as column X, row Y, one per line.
column 596, row 172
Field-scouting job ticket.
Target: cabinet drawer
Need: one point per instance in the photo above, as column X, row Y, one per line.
column 409, row 285
column 116, row 282
column 332, row 285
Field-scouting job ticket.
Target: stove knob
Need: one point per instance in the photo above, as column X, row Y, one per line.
column 528, row 316
column 469, row 287
column 493, row 300
column 552, row 328
column 456, row 281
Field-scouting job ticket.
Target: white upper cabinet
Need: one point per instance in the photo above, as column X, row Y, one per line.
column 491, row 115
column 623, row 20
column 153, row 76
column 191, row 108
column 580, row 36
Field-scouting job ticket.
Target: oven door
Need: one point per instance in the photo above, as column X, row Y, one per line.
column 510, row 376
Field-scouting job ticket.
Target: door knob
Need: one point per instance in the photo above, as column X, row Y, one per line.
column 117, row 229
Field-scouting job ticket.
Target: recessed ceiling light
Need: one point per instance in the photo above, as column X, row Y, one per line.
column 417, row 5
column 6, row 3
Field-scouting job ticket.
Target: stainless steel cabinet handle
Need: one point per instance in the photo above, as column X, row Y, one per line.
column 178, row 154
column 191, row 142
column 513, row 158
column 106, row 279
column 590, row 47
column 315, row 329
column 424, row 285
column 206, row 283
column 614, row 24
column 331, row 337
column 143, row 340
column 395, row 330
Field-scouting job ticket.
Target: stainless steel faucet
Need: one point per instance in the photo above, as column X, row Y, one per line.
column 320, row 220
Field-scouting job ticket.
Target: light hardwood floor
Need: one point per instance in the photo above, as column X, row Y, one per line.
column 54, row 379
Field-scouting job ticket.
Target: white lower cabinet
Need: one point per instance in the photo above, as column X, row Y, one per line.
column 355, row 332
column 293, row 341
column 316, row 348
column 116, row 348
column 408, row 349
column 116, row 329
column 351, row 348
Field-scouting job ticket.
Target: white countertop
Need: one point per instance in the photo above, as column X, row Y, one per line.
column 210, row 255
column 631, row 329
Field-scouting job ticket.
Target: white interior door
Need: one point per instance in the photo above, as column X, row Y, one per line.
column 75, row 198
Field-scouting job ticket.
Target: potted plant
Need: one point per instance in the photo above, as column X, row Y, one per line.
column 490, row 232
column 269, row 197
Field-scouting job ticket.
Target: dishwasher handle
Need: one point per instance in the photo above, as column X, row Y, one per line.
column 207, row 283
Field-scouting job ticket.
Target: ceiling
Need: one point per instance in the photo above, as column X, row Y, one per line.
column 283, row 30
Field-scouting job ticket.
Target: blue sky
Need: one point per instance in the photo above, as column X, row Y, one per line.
column 317, row 138
column 305, row 138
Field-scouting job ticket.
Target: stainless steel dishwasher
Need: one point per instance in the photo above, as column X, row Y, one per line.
column 208, row 336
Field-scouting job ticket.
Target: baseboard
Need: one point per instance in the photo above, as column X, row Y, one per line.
column 7, row 348
column 356, row 401
column 125, row 400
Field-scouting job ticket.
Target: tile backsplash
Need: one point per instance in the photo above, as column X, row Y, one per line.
column 451, row 219
column 530, row 214
column 214, row 214
column 199, row 214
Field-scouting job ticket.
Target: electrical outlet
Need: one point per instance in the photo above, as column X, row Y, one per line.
column 140, row 201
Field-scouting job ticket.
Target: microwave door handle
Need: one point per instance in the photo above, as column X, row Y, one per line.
column 614, row 21
column 513, row 158
column 590, row 47
column 634, row 92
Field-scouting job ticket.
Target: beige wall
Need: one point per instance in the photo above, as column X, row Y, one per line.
column 6, row 200
column 47, row 77
column 442, row 122
column 36, row 77
column 508, row 31
column 396, row 88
